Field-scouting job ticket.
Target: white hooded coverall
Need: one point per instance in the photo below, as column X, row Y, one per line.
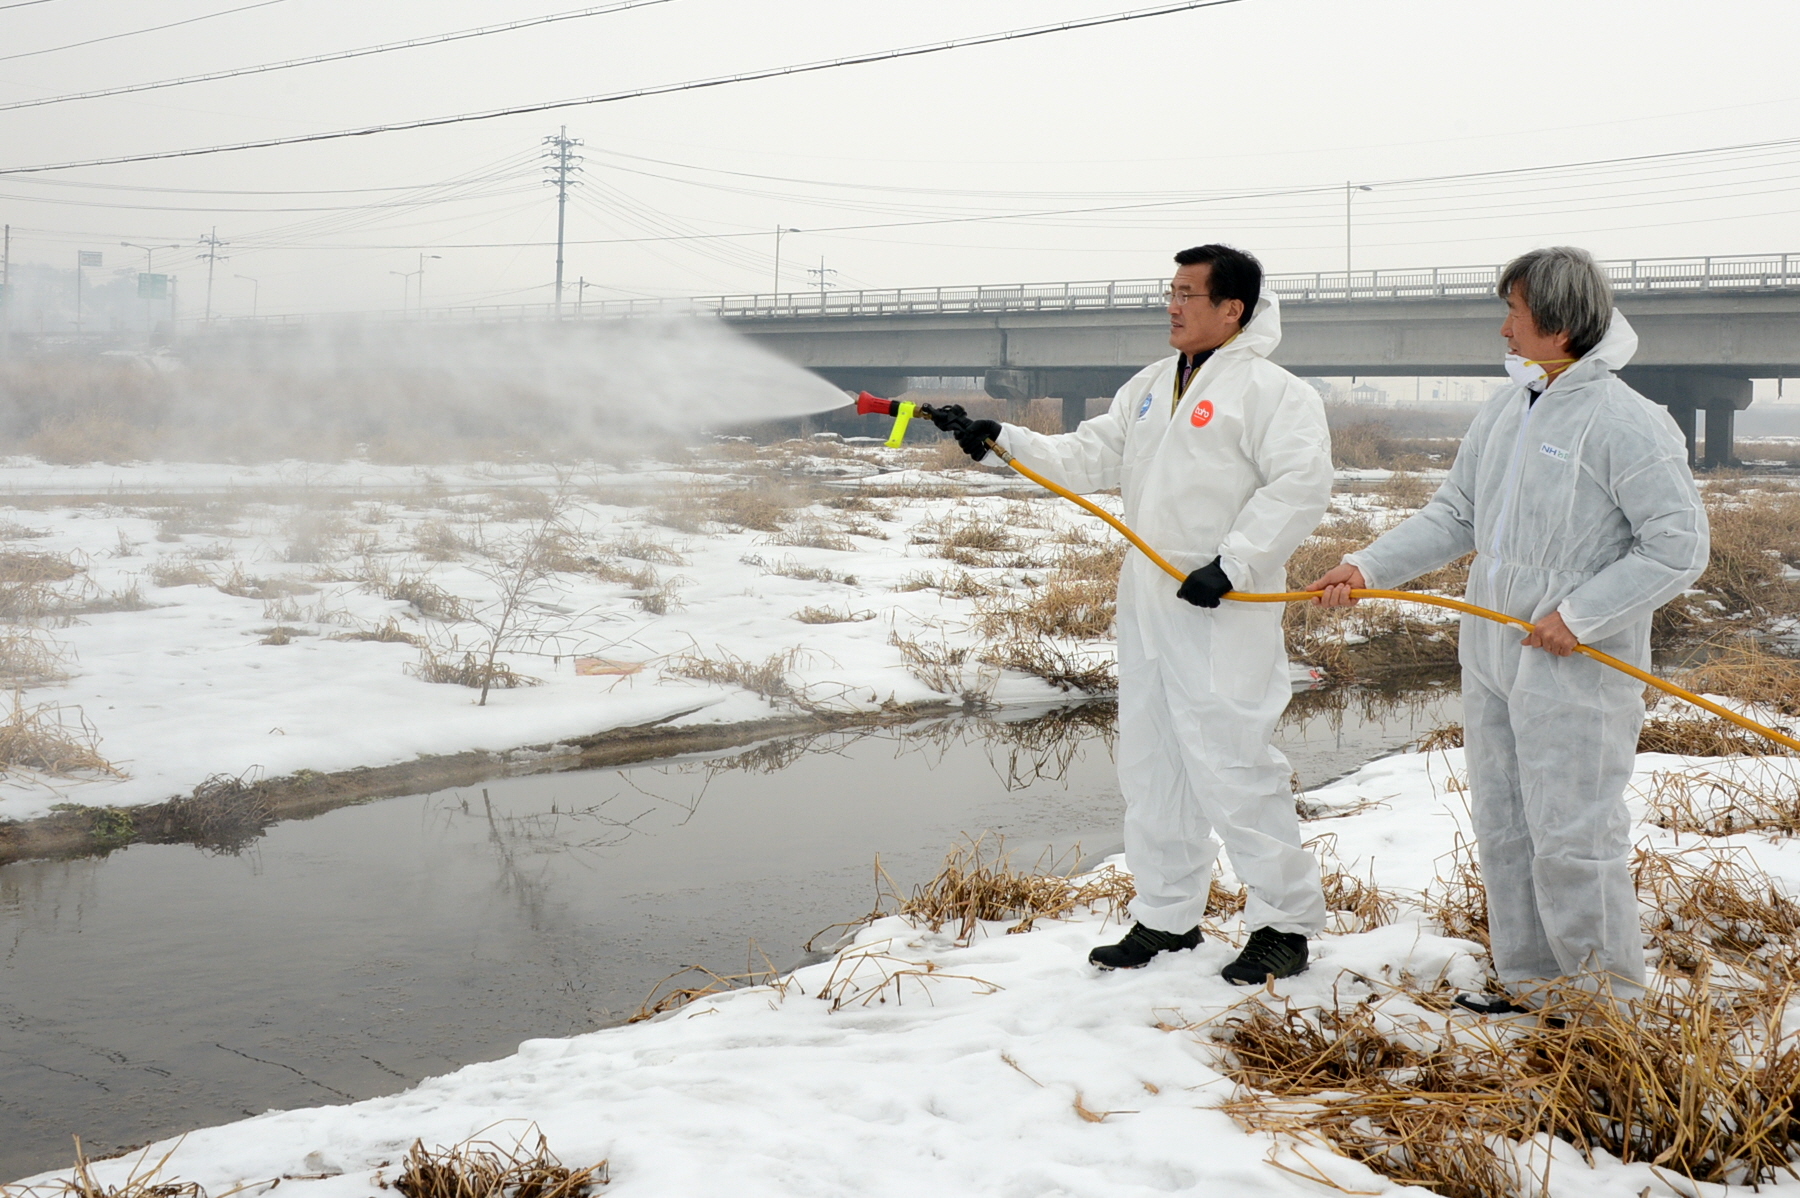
column 1240, row 469
column 1581, row 504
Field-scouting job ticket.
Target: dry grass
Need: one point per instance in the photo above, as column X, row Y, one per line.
column 1405, row 490
column 1698, row 1081
column 1074, row 608
column 143, row 1181
column 1752, row 536
column 1742, row 669
column 438, row 542
column 49, row 738
column 1712, row 908
column 1373, row 445
column 1356, row 903
column 958, row 585
column 425, row 597
column 1457, row 900
column 389, row 633
column 642, row 548
column 223, row 814
column 660, row 597
column 29, row 658
column 470, row 670
column 789, row 567
column 479, row 1168
column 1065, row 669
column 770, row 678
column 810, row 532
column 831, row 615
column 1748, row 796
column 26, row 567
column 979, row 883
column 941, row 667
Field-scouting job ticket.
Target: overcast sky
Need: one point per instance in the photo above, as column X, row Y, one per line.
column 1165, row 130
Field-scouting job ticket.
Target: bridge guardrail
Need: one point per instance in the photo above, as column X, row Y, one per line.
column 1629, row 276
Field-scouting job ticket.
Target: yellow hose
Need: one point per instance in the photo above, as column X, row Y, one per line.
column 1405, row 597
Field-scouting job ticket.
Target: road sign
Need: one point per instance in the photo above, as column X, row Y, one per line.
column 87, row 258
column 153, row 287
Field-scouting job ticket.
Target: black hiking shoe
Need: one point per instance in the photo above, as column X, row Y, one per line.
column 1270, row 954
column 1490, row 1004
column 1139, row 945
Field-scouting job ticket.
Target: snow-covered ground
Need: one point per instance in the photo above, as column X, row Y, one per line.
column 172, row 671
column 916, row 1062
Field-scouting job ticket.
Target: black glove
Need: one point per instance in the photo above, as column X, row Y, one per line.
column 1205, row 586
column 975, row 435
column 949, row 418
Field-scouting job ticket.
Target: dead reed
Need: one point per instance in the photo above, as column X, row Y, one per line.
column 1066, row 669
column 1744, row 796
column 224, row 814
column 979, row 884
column 49, row 738
column 29, row 658
column 770, row 678
column 943, row 667
column 478, row 1168
column 144, row 1181
column 1682, row 736
column 472, row 670
column 831, row 615
column 1740, row 667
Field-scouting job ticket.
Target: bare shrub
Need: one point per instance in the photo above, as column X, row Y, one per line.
column 49, row 738
column 224, row 813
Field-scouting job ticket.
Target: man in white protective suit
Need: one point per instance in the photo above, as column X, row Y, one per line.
column 1574, row 493
column 1224, row 462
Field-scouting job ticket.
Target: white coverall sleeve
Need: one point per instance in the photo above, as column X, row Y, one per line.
column 1087, row 459
column 1293, row 456
column 1655, row 492
column 1435, row 535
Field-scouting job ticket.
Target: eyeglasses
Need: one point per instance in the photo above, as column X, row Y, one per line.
column 1171, row 296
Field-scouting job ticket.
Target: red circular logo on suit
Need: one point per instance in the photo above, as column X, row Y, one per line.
column 1202, row 413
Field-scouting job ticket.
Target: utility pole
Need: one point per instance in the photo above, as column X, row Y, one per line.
column 563, row 163
column 581, row 286
column 6, row 297
column 823, row 272
column 255, row 293
column 212, row 255
column 421, row 273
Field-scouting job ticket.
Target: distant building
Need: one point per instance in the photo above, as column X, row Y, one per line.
column 1363, row 393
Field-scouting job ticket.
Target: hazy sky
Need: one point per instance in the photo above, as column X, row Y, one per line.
column 1164, row 129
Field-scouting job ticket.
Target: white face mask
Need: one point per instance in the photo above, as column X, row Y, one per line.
column 1526, row 373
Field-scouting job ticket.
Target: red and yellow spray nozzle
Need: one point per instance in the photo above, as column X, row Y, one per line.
column 874, row 405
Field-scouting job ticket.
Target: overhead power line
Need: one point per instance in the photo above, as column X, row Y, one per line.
column 113, row 37
column 23, row 4
column 661, row 89
column 436, row 39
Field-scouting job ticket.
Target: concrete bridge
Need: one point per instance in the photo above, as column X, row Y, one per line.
column 1708, row 326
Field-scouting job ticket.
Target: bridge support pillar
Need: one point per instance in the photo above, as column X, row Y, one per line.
column 1688, row 392
column 1074, row 412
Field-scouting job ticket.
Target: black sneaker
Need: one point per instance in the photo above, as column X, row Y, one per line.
column 1270, row 954
column 1140, row 944
column 1489, row 1004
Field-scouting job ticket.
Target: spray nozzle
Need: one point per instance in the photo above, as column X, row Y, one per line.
column 874, row 405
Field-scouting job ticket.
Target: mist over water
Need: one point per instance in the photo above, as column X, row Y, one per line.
column 404, row 391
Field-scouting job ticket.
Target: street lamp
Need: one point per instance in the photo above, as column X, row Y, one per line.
column 779, row 230
column 421, row 273
column 1350, row 190
column 405, row 287
column 255, row 293
column 149, row 261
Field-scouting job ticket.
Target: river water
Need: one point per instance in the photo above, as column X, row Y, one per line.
column 162, row 988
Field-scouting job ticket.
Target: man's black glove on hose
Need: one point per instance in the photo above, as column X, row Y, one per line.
column 972, row 435
column 1205, row 586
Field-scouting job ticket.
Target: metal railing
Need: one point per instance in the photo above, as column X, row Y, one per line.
column 1752, row 272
